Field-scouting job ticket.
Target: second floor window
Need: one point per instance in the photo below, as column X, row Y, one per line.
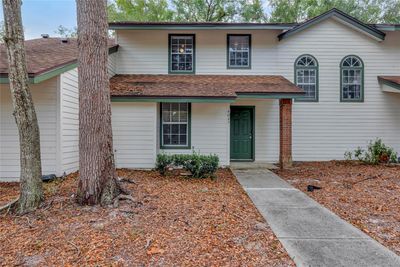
column 306, row 76
column 352, row 79
column 181, row 53
column 239, row 51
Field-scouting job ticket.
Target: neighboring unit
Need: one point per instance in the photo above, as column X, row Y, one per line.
column 245, row 91
column 53, row 77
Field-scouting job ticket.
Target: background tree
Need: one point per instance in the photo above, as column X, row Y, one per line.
column 252, row 11
column 65, row 32
column 2, row 32
column 392, row 11
column 205, row 10
column 97, row 175
column 31, row 193
column 139, row 10
column 368, row 11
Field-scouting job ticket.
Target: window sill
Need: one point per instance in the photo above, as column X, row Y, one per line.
column 176, row 147
column 181, row 72
column 306, row 100
column 238, row 68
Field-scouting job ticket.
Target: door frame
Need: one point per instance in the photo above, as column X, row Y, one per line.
column 253, row 135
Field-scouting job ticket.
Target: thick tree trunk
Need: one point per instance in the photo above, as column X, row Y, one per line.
column 97, row 175
column 24, row 112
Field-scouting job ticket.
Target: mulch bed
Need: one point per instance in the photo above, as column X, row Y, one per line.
column 366, row 196
column 173, row 221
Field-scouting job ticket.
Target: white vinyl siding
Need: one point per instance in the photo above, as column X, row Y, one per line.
column 134, row 133
column 325, row 130
column 146, row 51
column 112, row 64
column 45, row 101
column 69, row 121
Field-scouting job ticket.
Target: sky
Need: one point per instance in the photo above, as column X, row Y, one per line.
column 44, row 16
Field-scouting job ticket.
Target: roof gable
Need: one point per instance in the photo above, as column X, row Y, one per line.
column 341, row 17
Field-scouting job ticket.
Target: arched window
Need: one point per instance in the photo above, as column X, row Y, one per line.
column 306, row 76
column 351, row 79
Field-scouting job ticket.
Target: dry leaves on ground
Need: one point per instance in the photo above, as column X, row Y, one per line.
column 173, row 221
column 366, row 196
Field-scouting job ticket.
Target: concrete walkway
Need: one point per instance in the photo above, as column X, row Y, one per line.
column 310, row 233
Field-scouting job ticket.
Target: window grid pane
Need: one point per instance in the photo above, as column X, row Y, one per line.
column 239, row 51
column 174, row 127
column 182, row 53
column 307, row 80
column 351, row 84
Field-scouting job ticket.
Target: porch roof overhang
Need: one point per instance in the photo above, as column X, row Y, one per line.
column 390, row 83
column 200, row 88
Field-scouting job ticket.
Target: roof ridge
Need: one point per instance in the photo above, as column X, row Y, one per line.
column 341, row 15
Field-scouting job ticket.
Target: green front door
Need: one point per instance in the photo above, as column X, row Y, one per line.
column 242, row 133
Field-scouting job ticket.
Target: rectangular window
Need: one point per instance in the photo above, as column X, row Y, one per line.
column 175, row 125
column 181, row 53
column 239, row 51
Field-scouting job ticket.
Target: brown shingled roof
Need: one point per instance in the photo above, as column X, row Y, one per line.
column 45, row 54
column 223, row 86
column 393, row 79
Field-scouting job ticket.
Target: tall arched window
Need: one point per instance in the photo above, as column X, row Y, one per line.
column 306, row 76
column 351, row 79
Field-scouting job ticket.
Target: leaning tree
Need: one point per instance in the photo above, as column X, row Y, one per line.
column 97, row 174
column 31, row 193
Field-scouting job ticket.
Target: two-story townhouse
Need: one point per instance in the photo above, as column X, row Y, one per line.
column 229, row 89
column 245, row 91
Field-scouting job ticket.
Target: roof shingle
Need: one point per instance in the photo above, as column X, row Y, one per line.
column 45, row 54
column 393, row 79
column 226, row 86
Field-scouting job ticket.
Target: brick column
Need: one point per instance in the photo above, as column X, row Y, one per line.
column 285, row 133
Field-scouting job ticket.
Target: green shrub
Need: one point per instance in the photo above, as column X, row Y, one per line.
column 376, row 152
column 200, row 166
column 163, row 162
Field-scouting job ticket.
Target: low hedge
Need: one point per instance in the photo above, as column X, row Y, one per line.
column 200, row 166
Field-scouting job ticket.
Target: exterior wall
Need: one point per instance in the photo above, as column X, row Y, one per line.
column 146, row 52
column 209, row 131
column 325, row 130
column 45, row 100
column 68, row 102
column 69, row 122
column 322, row 130
column 112, row 64
column 266, row 128
column 134, row 133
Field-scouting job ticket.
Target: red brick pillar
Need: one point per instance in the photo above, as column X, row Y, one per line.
column 285, row 133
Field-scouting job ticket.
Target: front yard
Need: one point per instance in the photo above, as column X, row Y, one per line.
column 366, row 196
column 173, row 221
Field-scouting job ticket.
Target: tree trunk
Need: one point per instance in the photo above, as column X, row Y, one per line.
column 97, row 175
column 24, row 112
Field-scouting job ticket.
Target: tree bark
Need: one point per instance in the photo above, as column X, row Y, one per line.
column 97, row 175
column 24, row 112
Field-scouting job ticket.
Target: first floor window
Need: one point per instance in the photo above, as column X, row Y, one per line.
column 182, row 55
column 175, row 125
column 351, row 82
column 239, row 51
column 306, row 73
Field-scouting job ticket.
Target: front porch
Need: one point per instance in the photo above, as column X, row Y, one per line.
column 238, row 118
